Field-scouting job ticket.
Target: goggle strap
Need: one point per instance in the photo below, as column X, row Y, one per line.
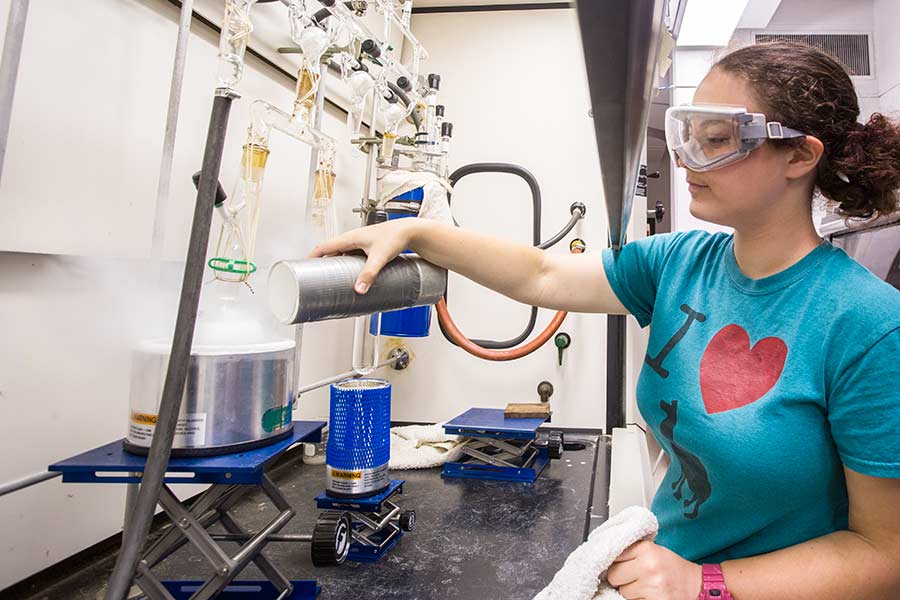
column 770, row 131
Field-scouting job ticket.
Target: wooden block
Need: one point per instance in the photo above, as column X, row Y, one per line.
column 526, row 411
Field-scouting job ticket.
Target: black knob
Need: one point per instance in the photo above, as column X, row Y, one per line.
column 376, row 216
column 404, row 84
column 439, row 110
column 446, row 129
column 371, row 48
column 657, row 212
column 562, row 341
column 545, row 390
column 434, row 81
column 221, row 196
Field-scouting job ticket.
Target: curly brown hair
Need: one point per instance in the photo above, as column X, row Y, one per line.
column 809, row 90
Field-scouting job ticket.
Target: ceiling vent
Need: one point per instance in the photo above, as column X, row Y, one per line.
column 852, row 49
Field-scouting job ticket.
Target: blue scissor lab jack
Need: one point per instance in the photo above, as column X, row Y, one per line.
column 501, row 448
column 372, row 524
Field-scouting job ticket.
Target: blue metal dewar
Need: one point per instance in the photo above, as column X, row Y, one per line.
column 239, row 468
column 408, row 322
column 416, row 195
column 359, row 437
column 368, row 504
column 498, row 448
column 246, row 590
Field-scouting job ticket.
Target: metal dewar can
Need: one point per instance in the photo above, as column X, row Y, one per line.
column 235, row 398
column 317, row 289
column 359, row 438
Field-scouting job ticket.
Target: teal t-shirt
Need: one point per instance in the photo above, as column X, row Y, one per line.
column 760, row 391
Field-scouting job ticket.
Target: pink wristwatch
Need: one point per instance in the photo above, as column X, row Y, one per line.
column 714, row 584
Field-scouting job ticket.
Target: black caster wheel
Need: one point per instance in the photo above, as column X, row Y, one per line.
column 408, row 520
column 555, row 443
column 331, row 539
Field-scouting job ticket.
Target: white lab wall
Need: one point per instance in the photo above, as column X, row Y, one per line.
column 77, row 195
column 887, row 55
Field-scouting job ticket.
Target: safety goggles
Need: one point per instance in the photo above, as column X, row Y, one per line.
column 711, row 137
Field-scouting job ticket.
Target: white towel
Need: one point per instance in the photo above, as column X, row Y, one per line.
column 435, row 205
column 583, row 576
column 423, row 447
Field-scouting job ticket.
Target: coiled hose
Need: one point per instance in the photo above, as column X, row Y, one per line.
column 509, row 349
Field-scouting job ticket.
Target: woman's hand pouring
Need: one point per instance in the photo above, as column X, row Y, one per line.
column 381, row 243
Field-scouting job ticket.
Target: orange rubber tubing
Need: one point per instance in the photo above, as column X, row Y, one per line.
column 498, row 355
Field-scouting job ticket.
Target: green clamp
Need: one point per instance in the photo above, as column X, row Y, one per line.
column 231, row 265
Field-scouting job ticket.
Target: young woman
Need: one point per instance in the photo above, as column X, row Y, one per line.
column 772, row 376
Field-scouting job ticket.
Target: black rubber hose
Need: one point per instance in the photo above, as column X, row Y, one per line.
column 535, row 235
column 577, row 211
column 135, row 534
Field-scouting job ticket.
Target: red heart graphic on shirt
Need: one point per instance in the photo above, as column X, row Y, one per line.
column 732, row 374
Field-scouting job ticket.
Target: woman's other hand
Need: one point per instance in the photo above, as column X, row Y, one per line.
column 381, row 243
column 651, row 572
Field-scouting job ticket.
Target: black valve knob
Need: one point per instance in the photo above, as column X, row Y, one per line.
column 657, row 213
column 446, row 129
column 562, row 341
column 404, row 84
column 221, row 196
column 434, row 81
column 376, row 216
column 371, row 48
column 545, row 390
column 439, row 110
